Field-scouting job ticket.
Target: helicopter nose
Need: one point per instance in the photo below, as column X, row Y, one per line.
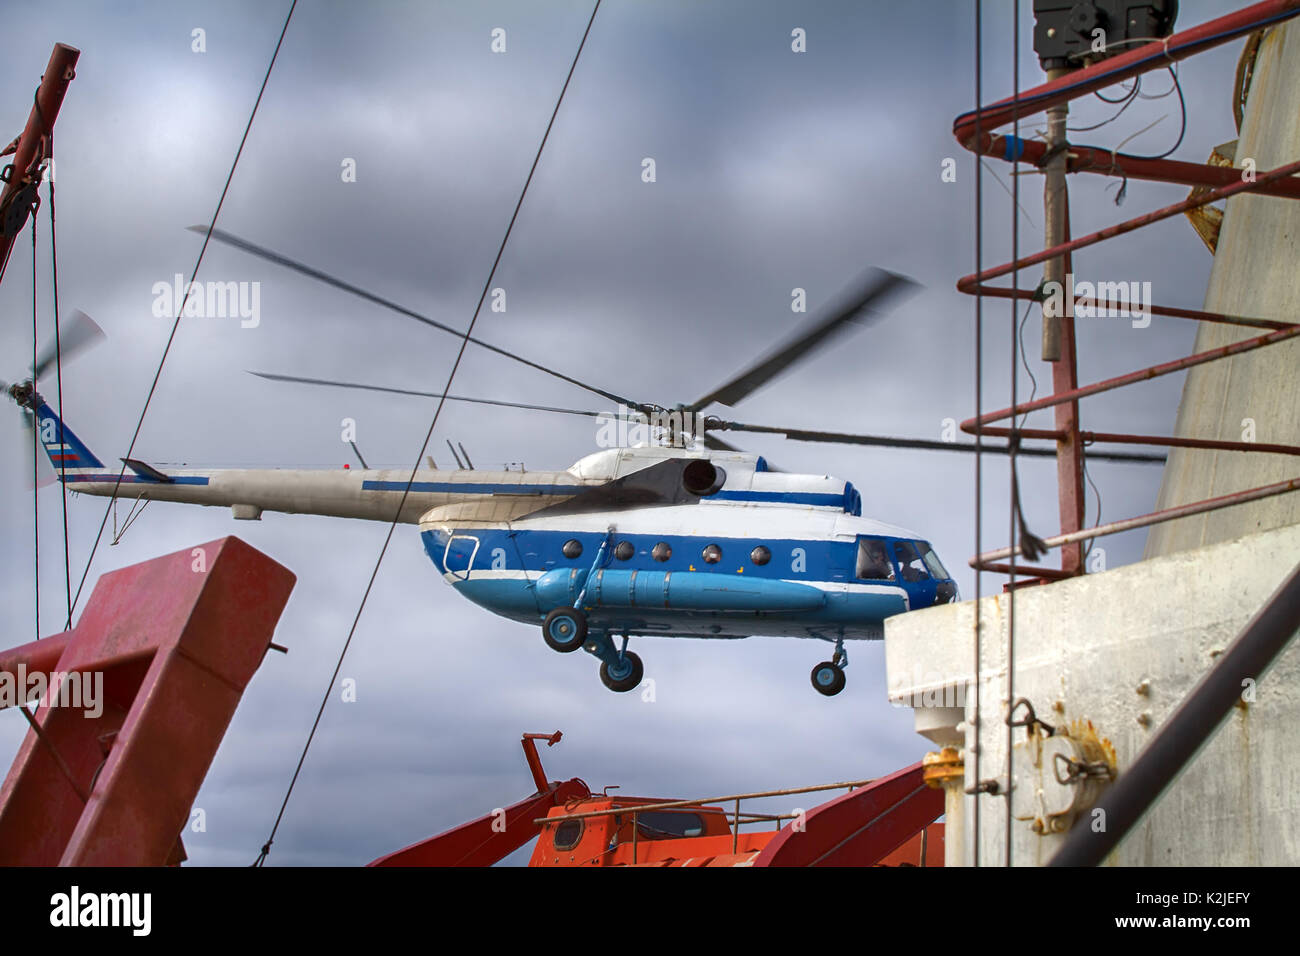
column 945, row 592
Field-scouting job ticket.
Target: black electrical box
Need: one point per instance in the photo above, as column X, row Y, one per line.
column 1065, row 31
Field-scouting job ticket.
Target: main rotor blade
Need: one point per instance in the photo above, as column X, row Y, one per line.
column 841, row 438
column 271, row 256
column 403, row 391
column 76, row 335
column 870, row 288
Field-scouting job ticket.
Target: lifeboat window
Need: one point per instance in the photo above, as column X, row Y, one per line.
column 909, row 560
column 567, row 834
column 664, row 825
column 661, row 551
column 624, row 550
column 873, row 560
column 572, row 549
column 760, row 555
column 712, row 554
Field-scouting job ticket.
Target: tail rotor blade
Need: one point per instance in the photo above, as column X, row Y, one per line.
column 37, row 472
column 76, row 335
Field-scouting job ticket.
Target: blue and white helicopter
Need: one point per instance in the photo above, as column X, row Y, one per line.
column 659, row 539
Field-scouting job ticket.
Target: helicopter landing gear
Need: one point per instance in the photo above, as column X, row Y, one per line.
column 625, row 676
column 565, row 629
column 620, row 670
column 828, row 676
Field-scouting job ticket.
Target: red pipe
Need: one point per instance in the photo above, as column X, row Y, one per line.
column 1155, row 371
column 969, row 284
column 1119, row 438
column 1139, row 60
column 40, row 124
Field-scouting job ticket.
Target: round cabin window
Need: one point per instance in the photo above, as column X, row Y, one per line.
column 712, row 554
column 624, row 550
column 760, row 555
column 567, row 834
column 572, row 548
column 661, row 551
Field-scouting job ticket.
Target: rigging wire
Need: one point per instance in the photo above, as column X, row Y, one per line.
column 1015, row 437
column 397, row 513
column 979, row 411
column 58, row 373
column 36, row 435
column 181, row 309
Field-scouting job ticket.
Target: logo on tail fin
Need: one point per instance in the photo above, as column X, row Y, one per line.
column 66, row 450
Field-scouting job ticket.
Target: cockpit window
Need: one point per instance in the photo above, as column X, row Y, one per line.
column 909, row 560
column 932, row 561
column 873, row 560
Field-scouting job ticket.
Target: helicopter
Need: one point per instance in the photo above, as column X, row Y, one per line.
column 667, row 539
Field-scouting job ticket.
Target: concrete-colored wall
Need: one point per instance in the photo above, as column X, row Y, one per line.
column 1082, row 648
column 1256, row 272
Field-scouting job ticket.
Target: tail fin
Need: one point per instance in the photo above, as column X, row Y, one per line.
column 69, row 456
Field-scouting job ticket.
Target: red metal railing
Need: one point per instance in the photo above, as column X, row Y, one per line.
column 975, row 132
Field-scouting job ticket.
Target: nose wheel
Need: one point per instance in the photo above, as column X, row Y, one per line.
column 828, row 676
column 565, row 629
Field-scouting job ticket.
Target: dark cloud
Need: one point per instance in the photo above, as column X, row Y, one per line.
column 775, row 171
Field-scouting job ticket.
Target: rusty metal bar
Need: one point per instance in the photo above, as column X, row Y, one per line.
column 1140, row 59
column 1155, row 517
column 670, row 804
column 1197, row 718
column 1199, row 315
column 30, row 146
column 969, row 283
column 1121, row 438
column 1141, row 375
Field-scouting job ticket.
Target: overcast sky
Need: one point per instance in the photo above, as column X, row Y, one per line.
column 775, row 170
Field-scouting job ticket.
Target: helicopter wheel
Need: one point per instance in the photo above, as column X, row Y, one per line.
column 828, row 678
column 623, row 678
column 565, row 629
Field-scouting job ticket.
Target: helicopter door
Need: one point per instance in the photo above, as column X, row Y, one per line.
column 458, row 558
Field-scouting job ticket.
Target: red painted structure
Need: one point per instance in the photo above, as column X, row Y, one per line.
column 885, row 822
column 32, row 145
column 975, row 132
column 176, row 640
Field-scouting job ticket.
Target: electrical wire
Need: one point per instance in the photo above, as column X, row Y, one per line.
column 117, row 485
column 1116, row 115
column 58, row 374
column 392, row 527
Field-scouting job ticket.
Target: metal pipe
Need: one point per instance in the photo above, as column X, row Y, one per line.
column 1141, row 375
column 1199, row 315
column 1155, row 517
column 1122, row 438
column 967, row 283
column 1140, row 59
column 40, row 123
column 1197, row 719
column 698, row 803
column 1054, row 216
